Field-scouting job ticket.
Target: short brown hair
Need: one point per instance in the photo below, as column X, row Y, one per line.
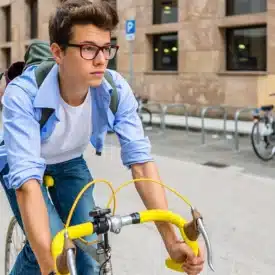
column 100, row 13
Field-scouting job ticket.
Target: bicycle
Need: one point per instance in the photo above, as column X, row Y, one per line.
column 104, row 221
column 10, row 244
column 263, row 133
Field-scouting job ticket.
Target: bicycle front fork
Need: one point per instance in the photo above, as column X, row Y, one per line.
column 66, row 262
column 104, row 256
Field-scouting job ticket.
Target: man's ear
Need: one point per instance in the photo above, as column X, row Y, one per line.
column 57, row 53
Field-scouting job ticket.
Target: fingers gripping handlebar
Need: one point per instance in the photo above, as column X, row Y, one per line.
column 189, row 231
column 106, row 222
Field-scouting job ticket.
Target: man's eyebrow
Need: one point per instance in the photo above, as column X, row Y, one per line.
column 93, row 43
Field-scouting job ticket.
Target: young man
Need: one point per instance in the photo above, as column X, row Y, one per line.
column 78, row 92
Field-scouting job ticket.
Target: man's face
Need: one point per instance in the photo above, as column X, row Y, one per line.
column 78, row 63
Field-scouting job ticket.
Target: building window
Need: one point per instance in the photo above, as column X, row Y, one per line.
column 7, row 16
column 32, row 17
column 246, row 49
column 165, row 52
column 112, row 64
column 236, row 7
column 165, row 11
column 6, row 52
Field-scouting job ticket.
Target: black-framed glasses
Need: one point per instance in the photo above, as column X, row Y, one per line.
column 89, row 51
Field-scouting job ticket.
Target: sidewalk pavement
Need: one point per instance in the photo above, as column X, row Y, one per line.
column 244, row 127
column 237, row 203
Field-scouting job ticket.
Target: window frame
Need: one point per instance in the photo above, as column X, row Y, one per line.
column 156, row 68
column 6, row 52
column 157, row 18
column 228, row 32
column 8, row 28
column 230, row 12
column 33, row 8
column 32, row 19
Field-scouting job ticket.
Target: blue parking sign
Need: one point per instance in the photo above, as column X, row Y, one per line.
column 130, row 28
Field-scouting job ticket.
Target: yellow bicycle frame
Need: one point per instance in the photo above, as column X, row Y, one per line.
column 85, row 229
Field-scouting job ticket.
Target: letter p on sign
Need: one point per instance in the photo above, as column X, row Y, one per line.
column 130, row 27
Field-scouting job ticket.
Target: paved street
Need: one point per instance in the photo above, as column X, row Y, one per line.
column 237, row 203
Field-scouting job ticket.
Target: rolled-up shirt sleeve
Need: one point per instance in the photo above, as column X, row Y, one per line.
column 21, row 134
column 135, row 146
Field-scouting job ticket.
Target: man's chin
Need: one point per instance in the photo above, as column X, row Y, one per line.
column 95, row 82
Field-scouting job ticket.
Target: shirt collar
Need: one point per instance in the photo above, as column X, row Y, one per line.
column 48, row 93
column 105, row 89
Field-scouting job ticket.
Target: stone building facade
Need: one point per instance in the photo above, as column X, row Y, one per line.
column 201, row 52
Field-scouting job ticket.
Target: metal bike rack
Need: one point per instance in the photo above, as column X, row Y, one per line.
column 236, row 119
column 160, row 107
column 175, row 105
column 203, row 113
column 141, row 108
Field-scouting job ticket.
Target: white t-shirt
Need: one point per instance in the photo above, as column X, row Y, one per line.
column 72, row 133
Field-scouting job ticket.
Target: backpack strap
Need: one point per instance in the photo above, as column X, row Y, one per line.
column 42, row 71
column 114, row 97
column 40, row 74
column 46, row 113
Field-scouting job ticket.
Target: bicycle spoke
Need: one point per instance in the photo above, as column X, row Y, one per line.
column 15, row 243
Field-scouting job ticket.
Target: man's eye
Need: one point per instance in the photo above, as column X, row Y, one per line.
column 89, row 49
column 107, row 49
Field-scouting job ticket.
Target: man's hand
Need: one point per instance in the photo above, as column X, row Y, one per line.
column 181, row 252
column 153, row 196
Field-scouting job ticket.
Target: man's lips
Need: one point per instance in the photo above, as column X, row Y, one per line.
column 98, row 73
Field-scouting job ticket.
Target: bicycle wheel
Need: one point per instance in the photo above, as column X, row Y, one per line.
column 13, row 245
column 262, row 144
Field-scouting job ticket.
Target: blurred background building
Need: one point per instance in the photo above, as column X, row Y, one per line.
column 200, row 52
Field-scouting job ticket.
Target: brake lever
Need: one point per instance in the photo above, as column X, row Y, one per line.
column 203, row 232
column 192, row 230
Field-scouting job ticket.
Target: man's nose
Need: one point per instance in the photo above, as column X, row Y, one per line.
column 100, row 58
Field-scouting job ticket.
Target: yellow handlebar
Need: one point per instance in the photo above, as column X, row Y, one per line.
column 168, row 216
column 85, row 229
column 74, row 232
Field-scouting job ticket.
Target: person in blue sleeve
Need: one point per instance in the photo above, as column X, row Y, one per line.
column 79, row 94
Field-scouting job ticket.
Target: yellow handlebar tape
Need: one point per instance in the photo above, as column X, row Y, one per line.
column 168, row 216
column 74, row 232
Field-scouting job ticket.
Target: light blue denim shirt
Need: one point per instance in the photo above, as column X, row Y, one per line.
column 22, row 103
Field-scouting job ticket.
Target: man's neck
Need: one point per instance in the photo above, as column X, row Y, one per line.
column 72, row 93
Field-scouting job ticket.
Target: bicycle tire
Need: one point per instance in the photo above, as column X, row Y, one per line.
column 254, row 145
column 12, row 224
